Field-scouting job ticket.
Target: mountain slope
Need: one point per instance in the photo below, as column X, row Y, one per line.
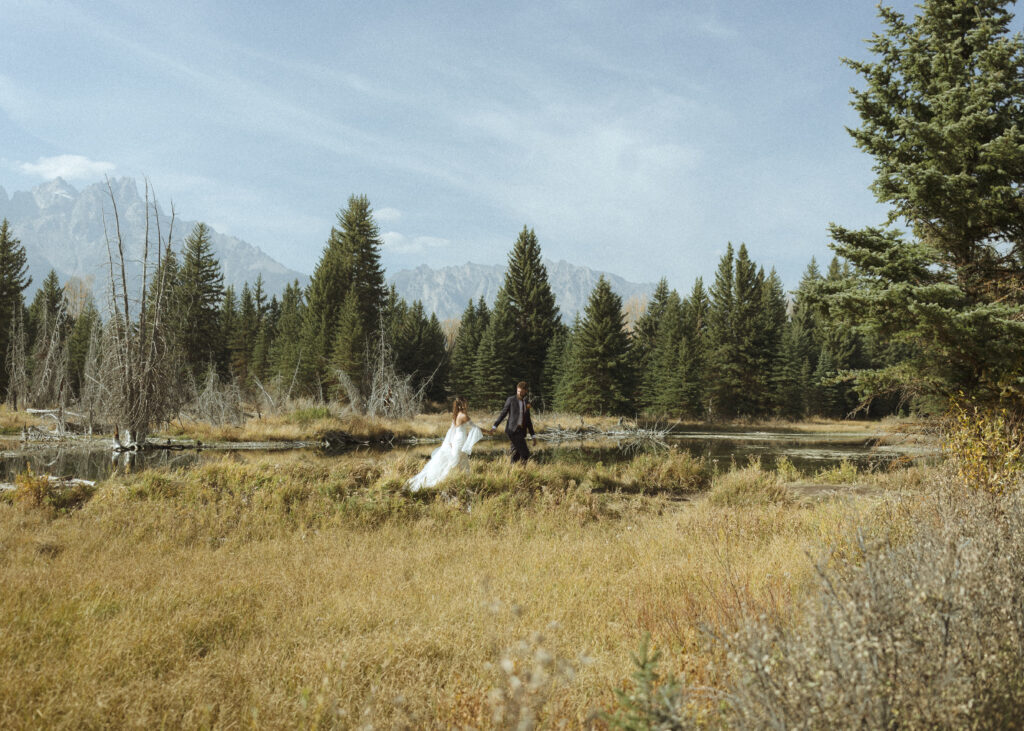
column 447, row 291
column 62, row 228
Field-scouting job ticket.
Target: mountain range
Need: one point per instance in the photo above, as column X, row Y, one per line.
column 62, row 228
column 447, row 291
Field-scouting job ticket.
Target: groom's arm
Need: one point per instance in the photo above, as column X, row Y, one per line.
column 504, row 412
column 528, row 421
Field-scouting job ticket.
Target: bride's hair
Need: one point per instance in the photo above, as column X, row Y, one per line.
column 459, row 404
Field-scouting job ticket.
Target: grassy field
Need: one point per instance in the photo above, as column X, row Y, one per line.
column 305, row 591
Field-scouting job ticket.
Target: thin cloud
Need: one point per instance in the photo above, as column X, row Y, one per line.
column 387, row 215
column 69, row 167
column 399, row 243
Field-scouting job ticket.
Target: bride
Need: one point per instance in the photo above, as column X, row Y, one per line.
column 454, row 451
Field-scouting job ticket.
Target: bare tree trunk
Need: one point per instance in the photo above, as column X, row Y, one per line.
column 140, row 375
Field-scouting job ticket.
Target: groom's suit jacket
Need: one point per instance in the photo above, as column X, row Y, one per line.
column 516, row 416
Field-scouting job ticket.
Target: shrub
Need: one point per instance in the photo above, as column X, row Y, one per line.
column 985, row 448
column 750, row 485
column 50, row 495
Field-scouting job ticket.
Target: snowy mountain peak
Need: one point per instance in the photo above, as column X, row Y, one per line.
column 56, row 192
column 63, row 229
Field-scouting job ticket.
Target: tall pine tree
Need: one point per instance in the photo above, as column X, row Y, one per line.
column 942, row 115
column 600, row 375
column 350, row 262
column 200, row 292
column 531, row 306
column 14, row 279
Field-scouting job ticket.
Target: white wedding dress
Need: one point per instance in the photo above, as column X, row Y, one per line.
column 452, row 454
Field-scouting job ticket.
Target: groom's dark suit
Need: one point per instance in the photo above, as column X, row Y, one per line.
column 519, row 423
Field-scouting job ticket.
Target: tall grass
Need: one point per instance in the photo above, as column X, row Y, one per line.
column 917, row 619
column 294, row 591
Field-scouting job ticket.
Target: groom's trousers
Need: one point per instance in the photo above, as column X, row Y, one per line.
column 520, row 452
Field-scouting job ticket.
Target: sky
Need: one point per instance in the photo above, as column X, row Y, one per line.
column 637, row 138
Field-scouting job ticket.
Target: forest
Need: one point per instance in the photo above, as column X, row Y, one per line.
column 743, row 348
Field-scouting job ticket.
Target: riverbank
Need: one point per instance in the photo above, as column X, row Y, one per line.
column 295, row 590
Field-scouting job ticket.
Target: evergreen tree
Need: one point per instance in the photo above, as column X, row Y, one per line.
column 467, row 343
column 78, row 344
column 771, row 323
column 350, row 261
column 693, row 351
column 242, row 337
column 790, row 380
column 421, row 351
column 532, row 309
column 200, row 293
column 288, row 352
column 45, row 307
column 645, row 334
column 662, row 376
column 348, row 354
column 942, row 114
column 493, row 376
column 599, row 376
column 736, row 359
column 554, row 364
column 228, row 320
column 13, row 281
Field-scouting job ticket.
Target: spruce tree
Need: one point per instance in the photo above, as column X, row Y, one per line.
column 421, row 351
column 736, row 357
column 467, row 342
column 771, row 323
column 942, row 115
column 288, row 352
column 348, row 352
column 789, row 383
column 228, row 320
column 493, row 376
column 13, row 281
column 350, row 261
column 600, row 375
column 43, row 312
column 242, row 337
column 533, row 311
column 200, row 294
column 645, row 334
column 78, row 344
column 693, row 351
column 554, row 365
column 662, row 376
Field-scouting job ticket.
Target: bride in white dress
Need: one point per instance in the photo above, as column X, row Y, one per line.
column 454, row 451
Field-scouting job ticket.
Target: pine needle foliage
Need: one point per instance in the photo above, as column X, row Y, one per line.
column 942, row 115
column 599, row 374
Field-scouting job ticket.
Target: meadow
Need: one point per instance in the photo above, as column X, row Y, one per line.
column 308, row 591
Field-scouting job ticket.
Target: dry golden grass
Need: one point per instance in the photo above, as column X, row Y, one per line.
column 12, row 422
column 302, row 592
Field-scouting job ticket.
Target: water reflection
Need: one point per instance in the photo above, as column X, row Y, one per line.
column 808, row 451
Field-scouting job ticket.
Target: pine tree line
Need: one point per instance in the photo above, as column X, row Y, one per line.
column 739, row 349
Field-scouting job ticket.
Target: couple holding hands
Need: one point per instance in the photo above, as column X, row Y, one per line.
column 463, row 434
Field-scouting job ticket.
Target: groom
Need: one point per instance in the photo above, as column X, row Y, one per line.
column 517, row 409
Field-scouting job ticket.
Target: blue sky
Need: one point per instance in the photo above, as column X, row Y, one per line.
column 637, row 138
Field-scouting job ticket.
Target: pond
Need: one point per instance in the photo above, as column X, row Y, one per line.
column 808, row 451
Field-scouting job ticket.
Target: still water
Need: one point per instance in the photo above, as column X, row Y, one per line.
column 808, row 451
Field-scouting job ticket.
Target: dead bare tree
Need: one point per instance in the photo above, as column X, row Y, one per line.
column 391, row 393
column 18, row 384
column 141, row 363
column 218, row 403
column 50, row 357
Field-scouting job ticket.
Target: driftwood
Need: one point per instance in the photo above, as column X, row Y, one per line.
column 55, row 481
